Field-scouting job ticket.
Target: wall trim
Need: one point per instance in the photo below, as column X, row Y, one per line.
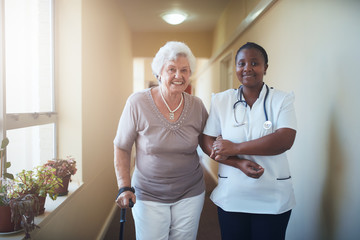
column 107, row 222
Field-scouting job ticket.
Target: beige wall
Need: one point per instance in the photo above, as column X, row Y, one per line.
column 93, row 75
column 68, row 76
column 147, row 44
column 313, row 51
column 234, row 13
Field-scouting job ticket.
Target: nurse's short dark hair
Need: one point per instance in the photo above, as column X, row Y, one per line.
column 253, row 45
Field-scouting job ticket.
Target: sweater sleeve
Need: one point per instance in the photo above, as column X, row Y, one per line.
column 126, row 131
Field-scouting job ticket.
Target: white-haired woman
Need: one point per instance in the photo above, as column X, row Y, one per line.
column 165, row 123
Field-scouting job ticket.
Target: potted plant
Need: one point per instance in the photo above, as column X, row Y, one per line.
column 23, row 211
column 64, row 168
column 17, row 211
column 6, row 225
column 41, row 182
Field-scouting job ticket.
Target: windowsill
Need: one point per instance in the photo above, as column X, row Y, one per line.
column 51, row 208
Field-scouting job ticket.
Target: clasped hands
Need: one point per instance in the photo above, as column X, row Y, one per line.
column 224, row 150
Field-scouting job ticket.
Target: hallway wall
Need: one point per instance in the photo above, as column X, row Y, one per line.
column 93, row 77
column 313, row 51
column 147, row 44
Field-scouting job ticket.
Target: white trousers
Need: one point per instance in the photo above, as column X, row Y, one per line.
column 168, row 221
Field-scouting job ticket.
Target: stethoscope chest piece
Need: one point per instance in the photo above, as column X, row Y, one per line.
column 267, row 125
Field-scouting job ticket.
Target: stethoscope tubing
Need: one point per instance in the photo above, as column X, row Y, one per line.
column 266, row 95
column 267, row 123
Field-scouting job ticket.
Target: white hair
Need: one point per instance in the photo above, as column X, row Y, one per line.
column 169, row 52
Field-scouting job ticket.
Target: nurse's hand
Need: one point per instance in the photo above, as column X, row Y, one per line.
column 224, row 147
column 217, row 157
column 250, row 168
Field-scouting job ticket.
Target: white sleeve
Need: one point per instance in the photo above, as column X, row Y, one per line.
column 213, row 126
column 287, row 116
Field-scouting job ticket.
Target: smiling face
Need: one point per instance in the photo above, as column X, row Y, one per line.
column 175, row 75
column 250, row 67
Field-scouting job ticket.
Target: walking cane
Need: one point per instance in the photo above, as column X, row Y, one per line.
column 123, row 210
column 123, row 219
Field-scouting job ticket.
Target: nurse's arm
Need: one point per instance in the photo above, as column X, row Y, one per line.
column 272, row 144
column 249, row 168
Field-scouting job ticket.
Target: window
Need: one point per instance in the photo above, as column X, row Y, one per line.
column 28, row 114
column 226, row 72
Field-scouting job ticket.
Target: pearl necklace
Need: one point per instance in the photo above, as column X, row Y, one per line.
column 171, row 112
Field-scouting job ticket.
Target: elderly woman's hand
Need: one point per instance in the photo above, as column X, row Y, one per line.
column 250, row 168
column 124, row 198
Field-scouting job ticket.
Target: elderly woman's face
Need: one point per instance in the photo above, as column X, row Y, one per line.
column 175, row 75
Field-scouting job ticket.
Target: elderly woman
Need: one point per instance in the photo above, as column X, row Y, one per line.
column 165, row 123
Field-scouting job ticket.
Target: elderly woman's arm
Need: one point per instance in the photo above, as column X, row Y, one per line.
column 275, row 143
column 206, row 143
column 122, row 170
column 250, row 168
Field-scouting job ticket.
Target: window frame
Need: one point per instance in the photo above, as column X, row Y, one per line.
column 13, row 121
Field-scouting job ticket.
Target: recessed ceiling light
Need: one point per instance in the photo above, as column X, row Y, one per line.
column 174, row 18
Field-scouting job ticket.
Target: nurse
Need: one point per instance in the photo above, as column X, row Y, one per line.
column 248, row 132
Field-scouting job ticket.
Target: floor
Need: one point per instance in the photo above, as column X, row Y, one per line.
column 208, row 227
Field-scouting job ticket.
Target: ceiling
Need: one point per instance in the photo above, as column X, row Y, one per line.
column 144, row 15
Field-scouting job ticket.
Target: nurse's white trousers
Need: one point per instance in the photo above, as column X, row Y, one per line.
column 168, row 221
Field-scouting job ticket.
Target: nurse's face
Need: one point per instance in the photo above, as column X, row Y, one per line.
column 250, row 67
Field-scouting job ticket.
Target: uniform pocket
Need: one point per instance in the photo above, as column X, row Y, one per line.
column 282, row 179
column 222, row 176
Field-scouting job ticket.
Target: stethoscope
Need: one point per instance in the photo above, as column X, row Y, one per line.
column 267, row 124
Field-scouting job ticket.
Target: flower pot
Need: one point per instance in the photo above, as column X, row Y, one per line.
column 5, row 219
column 41, row 204
column 62, row 191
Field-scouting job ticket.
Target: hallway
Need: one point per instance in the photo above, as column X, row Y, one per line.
column 208, row 227
column 313, row 52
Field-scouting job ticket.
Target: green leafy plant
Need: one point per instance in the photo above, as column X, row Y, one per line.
column 41, row 181
column 25, row 207
column 63, row 167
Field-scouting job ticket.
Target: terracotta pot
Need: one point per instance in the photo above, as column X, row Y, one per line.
column 62, row 191
column 41, row 205
column 5, row 219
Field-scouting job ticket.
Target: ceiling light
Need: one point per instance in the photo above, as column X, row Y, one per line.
column 174, row 18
